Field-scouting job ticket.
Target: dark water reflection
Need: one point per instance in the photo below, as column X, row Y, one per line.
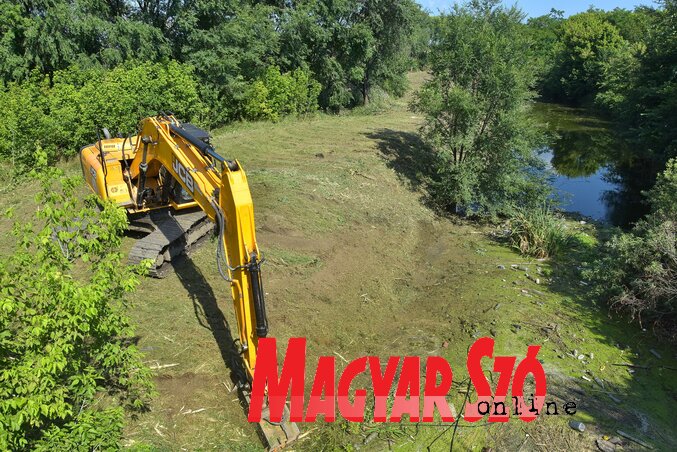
column 595, row 174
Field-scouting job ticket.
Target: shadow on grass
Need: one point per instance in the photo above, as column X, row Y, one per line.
column 210, row 316
column 407, row 154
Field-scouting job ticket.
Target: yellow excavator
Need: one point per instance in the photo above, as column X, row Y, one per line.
column 175, row 188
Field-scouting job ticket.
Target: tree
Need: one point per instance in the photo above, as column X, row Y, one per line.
column 632, row 25
column 229, row 46
column 50, row 36
column 350, row 46
column 68, row 364
column 475, row 106
column 589, row 43
column 423, row 26
column 66, row 115
column 545, row 32
column 652, row 101
column 276, row 95
column 312, row 37
column 389, row 25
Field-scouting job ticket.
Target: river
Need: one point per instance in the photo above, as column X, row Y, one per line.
column 593, row 171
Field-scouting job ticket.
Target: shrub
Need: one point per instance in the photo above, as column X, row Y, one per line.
column 26, row 123
column 637, row 271
column 662, row 196
column 539, row 233
column 63, row 117
column 68, row 366
column 275, row 95
column 379, row 102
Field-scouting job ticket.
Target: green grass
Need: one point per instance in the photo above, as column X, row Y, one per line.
column 359, row 266
column 539, row 233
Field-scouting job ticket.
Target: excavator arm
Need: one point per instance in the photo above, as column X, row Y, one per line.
column 219, row 187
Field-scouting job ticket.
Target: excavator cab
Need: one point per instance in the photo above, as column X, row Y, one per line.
column 160, row 210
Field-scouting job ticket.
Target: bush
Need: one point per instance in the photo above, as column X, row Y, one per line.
column 539, row 233
column 662, row 196
column 379, row 102
column 63, row 117
column 68, row 366
column 275, row 95
column 637, row 271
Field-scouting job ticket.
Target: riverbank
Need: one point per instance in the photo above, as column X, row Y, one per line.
column 359, row 266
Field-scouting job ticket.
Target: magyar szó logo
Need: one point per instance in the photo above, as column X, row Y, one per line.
column 330, row 391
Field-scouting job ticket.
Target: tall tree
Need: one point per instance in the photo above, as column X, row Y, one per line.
column 49, row 36
column 589, row 43
column 349, row 45
column 228, row 45
column 475, row 107
column 389, row 25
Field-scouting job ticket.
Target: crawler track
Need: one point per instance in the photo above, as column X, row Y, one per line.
column 171, row 236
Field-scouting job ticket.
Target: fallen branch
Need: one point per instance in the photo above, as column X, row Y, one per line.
column 163, row 366
column 157, row 430
column 339, row 355
column 303, row 435
column 193, row 411
column 634, row 366
column 634, row 440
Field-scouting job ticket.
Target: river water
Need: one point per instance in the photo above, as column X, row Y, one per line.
column 591, row 166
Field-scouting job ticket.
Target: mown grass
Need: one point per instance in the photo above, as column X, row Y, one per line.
column 359, row 266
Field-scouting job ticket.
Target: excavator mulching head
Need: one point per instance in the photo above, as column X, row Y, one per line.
column 275, row 436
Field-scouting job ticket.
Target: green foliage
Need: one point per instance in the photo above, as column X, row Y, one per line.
column 589, row 42
column 350, row 46
column 539, row 232
column 637, row 271
column 68, row 365
column 476, row 110
column 229, row 46
column 632, row 25
column 422, row 31
column 51, row 36
column 614, row 81
column 544, row 32
column 275, row 95
column 648, row 113
column 663, row 197
column 589, row 57
column 63, row 117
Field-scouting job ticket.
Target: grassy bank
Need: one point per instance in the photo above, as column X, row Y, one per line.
column 358, row 265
